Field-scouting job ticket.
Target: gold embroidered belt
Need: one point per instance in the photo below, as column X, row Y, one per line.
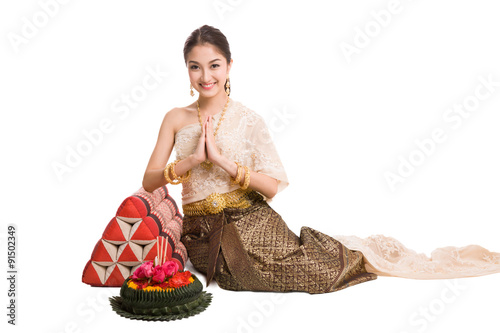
column 216, row 202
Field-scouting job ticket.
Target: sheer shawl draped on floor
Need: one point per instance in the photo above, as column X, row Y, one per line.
column 386, row 256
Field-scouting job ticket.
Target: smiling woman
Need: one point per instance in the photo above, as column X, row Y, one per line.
column 230, row 170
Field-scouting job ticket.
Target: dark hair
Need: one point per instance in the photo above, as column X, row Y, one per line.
column 208, row 35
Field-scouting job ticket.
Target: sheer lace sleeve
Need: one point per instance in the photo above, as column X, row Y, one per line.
column 265, row 158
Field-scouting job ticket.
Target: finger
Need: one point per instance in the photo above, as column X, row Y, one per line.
column 208, row 125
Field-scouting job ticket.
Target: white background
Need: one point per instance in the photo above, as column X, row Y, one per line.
column 349, row 118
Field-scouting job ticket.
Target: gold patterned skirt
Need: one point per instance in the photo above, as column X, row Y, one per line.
column 241, row 242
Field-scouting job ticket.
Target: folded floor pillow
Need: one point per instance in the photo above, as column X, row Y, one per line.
column 130, row 238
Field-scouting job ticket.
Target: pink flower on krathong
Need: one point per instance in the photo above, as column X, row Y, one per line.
column 158, row 274
column 148, row 268
column 143, row 271
column 170, row 268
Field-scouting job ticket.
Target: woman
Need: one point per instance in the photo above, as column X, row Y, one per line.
column 230, row 170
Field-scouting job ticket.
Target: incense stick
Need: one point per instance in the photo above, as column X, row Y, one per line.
column 165, row 253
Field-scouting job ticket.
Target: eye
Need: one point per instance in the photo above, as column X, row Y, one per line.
column 194, row 67
column 215, row 65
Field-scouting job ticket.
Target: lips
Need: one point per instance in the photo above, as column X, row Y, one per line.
column 208, row 86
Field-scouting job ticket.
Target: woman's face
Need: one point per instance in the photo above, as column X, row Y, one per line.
column 208, row 70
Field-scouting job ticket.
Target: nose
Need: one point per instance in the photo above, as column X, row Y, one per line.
column 205, row 76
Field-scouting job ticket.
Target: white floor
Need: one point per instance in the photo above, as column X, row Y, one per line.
column 384, row 305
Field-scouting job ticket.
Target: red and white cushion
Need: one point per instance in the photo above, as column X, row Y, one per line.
column 130, row 238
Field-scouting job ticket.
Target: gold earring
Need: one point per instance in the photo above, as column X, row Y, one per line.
column 227, row 86
column 191, row 87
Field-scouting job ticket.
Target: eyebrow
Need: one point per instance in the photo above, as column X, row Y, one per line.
column 208, row 62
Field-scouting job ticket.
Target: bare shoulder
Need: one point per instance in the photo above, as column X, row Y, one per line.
column 179, row 117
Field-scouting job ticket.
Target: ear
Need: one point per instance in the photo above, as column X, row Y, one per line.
column 229, row 66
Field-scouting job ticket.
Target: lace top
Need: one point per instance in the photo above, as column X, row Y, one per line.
column 242, row 137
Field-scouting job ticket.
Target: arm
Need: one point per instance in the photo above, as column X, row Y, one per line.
column 264, row 184
column 153, row 176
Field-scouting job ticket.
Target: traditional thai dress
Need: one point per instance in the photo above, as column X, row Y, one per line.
column 235, row 237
